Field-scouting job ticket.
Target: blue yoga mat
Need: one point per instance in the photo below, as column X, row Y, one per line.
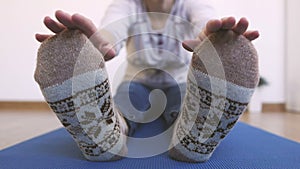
column 245, row 147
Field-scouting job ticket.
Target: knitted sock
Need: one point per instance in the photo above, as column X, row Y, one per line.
column 71, row 74
column 221, row 80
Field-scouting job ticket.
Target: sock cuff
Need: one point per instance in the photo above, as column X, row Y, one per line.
column 76, row 84
column 216, row 86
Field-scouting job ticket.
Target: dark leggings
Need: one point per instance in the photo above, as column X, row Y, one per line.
column 132, row 99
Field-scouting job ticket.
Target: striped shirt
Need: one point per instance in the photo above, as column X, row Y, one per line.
column 155, row 57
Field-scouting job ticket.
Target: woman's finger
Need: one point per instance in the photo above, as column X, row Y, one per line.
column 190, row 45
column 54, row 26
column 84, row 24
column 228, row 22
column 251, row 35
column 241, row 26
column 213, row 26
column 41, row 37
column 65, row 19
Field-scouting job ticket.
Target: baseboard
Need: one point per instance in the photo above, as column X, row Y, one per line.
column 24, row 105
column 273, row 107
column 267, row 107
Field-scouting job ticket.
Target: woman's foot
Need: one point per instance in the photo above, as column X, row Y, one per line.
column 71, row 74
column 222, row 77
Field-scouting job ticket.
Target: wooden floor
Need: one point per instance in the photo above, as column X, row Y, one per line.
column 17, row 125
column 284, row 124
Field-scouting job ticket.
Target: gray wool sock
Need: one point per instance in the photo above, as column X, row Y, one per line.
column 222, row 77
column 71, row 74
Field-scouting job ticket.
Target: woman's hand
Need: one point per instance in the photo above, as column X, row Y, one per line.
column 228, row 23
column 77, row 21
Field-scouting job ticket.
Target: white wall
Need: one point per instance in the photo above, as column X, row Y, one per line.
column 22, row 19
column 267, row 16
column 293, row 56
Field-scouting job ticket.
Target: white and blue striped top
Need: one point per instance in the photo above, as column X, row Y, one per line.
column 152, row 52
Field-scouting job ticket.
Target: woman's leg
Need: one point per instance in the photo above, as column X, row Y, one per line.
column 175, row 96
column 222, row 78
column 132, row 99
column 71, row 74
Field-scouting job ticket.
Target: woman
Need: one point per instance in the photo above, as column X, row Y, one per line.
column 153, row 31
